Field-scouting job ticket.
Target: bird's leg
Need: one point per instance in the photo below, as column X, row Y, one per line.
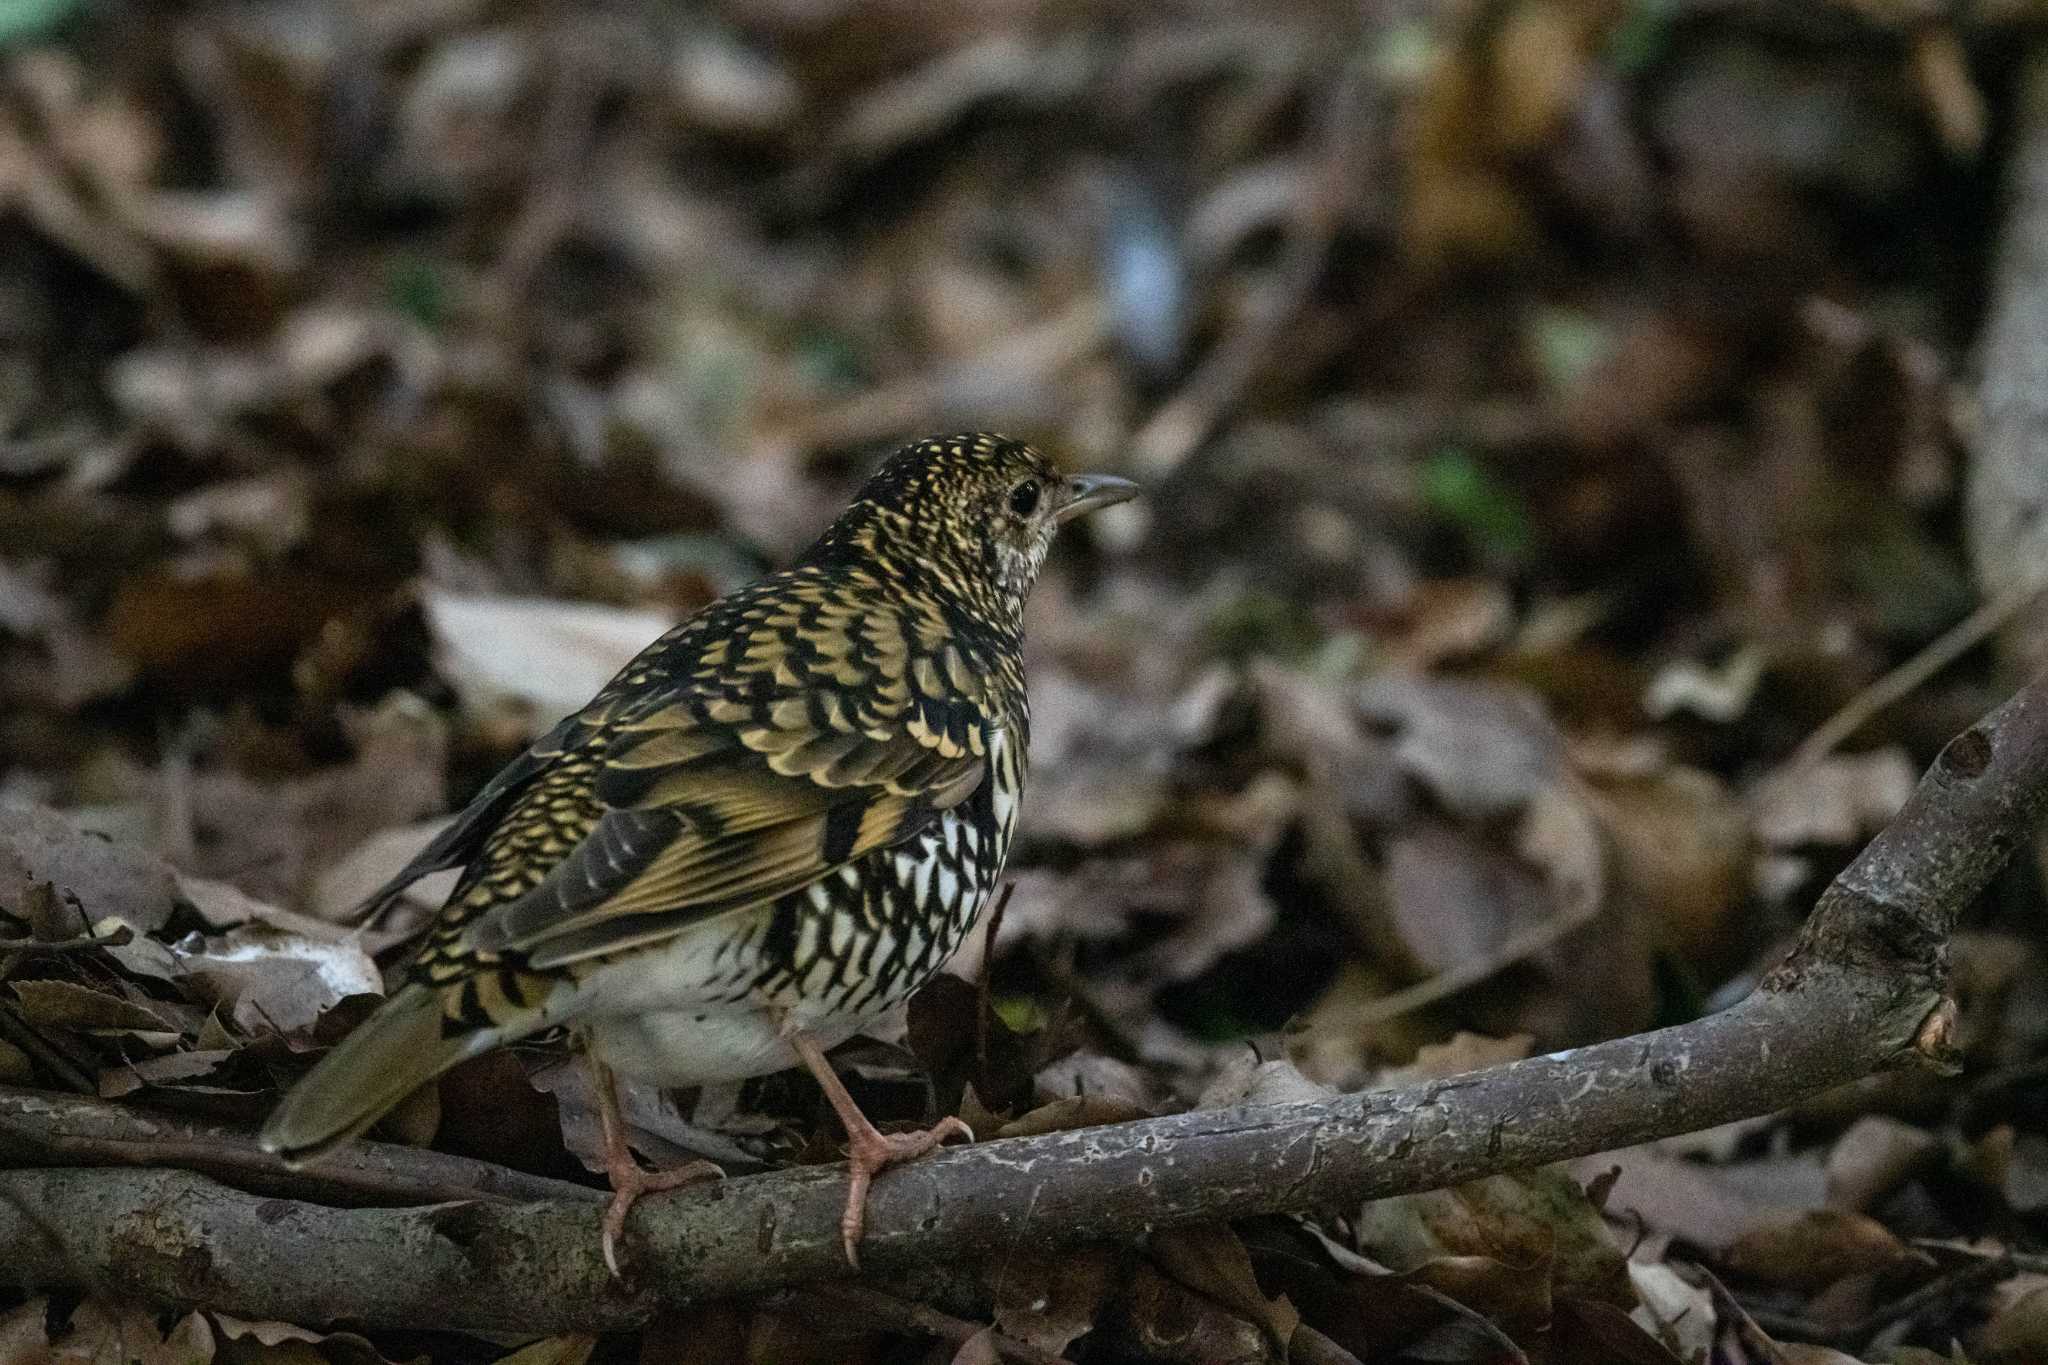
column 869, row 1149
column 629, row 1179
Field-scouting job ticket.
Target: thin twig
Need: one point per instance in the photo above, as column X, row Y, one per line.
column 1519, row 947
column 1894, row 686
column 118, row 938
column 41, row 1128
column 44, row 1055
column 1850, row 1336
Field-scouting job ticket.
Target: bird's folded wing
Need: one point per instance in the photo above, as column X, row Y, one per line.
column 717, row 804
column 463, row 837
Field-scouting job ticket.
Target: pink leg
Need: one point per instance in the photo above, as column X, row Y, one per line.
column 629, row 1179
column 869, row 1150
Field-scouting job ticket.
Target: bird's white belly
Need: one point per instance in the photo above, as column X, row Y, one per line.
column 697, row 1047
column 684, row 1014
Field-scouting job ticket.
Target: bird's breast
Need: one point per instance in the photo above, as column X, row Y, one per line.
column 711, row 1003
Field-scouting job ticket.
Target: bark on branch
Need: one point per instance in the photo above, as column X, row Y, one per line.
column 1862, row 991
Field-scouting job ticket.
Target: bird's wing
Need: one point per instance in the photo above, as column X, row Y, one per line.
column 463, row 838
column 746, row 784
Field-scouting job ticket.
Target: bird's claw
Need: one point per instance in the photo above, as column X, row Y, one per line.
column 629, row 1182
column 871, row 1152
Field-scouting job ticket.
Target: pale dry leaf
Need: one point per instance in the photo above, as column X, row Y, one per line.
column 1719, row 695
column 654, row 1126
column 1482, row 749
column 344, row 885
column 2018, row 1329
column 38, row 845
column 337, row 1348
column 979, row 1349
column 1246, row 1079
column 108, row 1332
column 547, row 656
column 1703, row 1205
column 1874, row 1157
column 24, row 1337
column 1678, row 1313
column 272, row 981
column 1463, row 1052
column 1835, row 801
column 225, row 906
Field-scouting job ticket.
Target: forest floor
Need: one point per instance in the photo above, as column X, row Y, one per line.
column 1552, row 413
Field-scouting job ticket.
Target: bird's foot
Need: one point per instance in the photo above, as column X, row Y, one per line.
column 629, row 1181
column 872, row 1151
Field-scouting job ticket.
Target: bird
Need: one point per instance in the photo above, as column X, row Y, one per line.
column 772, row 826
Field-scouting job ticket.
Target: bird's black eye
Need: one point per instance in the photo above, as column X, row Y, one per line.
column 1024, row 499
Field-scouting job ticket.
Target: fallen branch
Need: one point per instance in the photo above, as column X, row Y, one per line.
column 1862, row 991
column 41, row 1128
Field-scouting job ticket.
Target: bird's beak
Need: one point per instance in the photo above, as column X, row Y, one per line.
column 1086, row 492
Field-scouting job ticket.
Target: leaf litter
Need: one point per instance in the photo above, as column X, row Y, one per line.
column 1551, row 417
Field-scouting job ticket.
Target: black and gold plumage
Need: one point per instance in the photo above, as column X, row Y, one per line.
column 772, row 826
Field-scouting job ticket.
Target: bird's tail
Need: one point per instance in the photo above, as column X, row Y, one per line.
column 399, row 1048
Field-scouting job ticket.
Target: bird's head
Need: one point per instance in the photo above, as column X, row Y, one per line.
column 976, row 511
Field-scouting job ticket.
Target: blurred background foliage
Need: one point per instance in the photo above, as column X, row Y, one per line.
column 1552, row 411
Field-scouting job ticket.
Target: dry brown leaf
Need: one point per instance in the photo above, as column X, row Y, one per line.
column 1209, row 1258
column 38, row 845
column 1682, row 841
column 979, row 1349
column 1817, row 1248
column 1050, row 1302
column 102, row 1331
column 1074, row 1111
column 1537, row 1218
column 24, row 1339
column 1585, row 1329
column 65, row 1004
column 2018, row 1329
column 1163, row 1321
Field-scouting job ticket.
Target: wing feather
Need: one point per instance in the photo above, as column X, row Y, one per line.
column 724, row 800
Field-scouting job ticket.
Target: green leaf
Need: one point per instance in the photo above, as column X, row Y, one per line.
column 1641, row 36
column 1462, row 491
column 1020, row 1013
column 415, row 288
column 32, row 18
